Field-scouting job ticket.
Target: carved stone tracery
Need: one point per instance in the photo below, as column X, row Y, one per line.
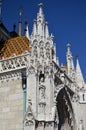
column 29, row 118
column 13, row 63
column 10, row 76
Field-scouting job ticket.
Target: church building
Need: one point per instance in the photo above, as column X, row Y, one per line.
column 36, row 93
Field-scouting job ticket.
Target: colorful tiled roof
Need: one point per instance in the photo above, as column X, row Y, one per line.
column 17, row 46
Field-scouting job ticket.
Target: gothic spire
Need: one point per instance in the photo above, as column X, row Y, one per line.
column 40, row 9
column 20, row 22
column 40, row 20
column 68, row 49
column 79, row 76
column 40, row 13
column 34, row 28
column 26, row 30
column 70, row 64
column 46, row 30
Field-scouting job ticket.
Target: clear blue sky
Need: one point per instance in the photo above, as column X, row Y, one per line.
column 66, row 18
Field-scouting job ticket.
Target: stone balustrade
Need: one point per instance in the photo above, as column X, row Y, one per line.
column 13, row 63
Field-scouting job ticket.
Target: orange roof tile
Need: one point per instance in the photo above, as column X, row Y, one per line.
column 17, row 46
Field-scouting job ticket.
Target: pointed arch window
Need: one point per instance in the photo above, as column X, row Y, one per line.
column 47, row 45
column 41, row 43
column 35, row 42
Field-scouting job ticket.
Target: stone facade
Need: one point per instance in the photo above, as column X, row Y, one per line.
column 11, row 103
column 36, row 93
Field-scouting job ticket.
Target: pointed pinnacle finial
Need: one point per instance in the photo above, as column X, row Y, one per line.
column 20, row 13
column 68, row 47
column 79, row 75
column 46, row 30
column 77, row 60
column 20, row 22
column 26, row 29
column 34, row 27
column 40, row 5
column 40, row 8
column 76, row 57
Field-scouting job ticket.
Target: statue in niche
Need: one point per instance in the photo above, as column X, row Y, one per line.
column 42, row 93
column 41, row 52
column 41, row 77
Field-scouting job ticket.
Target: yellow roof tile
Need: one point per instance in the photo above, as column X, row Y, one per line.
column 17, row 46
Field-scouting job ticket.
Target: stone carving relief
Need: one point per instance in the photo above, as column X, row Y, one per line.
column 48, row 53
column 41, row 77
column 46, row 70
column 29, row 117
column 75, row 98
column 11, row 76
column 47, row 45
column 41, row 43
column 35, row 52
column 35, row 42
column 13, row 63
column 41, row 52
column 42, row 92
column 31, row 70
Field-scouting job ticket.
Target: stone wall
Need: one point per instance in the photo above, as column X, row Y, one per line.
column 82, row 114
column 11, row 105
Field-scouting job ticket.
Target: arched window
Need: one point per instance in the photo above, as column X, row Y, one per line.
column 41, row 43
column 35, row 42
column 47, row 45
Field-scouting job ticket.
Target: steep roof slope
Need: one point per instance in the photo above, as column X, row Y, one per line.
column 17, row 46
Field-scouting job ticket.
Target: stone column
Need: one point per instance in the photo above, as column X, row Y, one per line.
column 24, row 92
column 42, row 103
column 81, row 125
column 29, row 119
column 31, row 87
